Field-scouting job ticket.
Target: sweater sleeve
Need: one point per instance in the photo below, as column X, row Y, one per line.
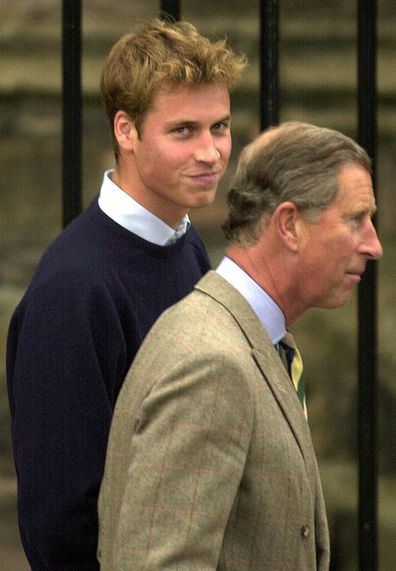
column 66, row 356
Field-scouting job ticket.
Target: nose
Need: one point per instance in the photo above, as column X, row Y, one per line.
column 371, row 245
column 206, row 150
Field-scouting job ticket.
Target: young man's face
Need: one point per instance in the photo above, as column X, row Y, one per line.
column 339, row 245
column 182, row 151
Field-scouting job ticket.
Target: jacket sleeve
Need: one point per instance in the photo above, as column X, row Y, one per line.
column 182, row 464
column 66, row 354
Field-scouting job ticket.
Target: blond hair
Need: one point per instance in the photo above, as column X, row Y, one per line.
column 163, row 54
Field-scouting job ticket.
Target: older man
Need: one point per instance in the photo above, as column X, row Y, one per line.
column 210, row 463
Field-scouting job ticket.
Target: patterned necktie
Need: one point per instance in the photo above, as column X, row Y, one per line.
column 291, row 357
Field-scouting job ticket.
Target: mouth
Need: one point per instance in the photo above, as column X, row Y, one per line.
column 355, row 276
column 206, row 178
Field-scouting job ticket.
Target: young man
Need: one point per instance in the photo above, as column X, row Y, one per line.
column 108, row 276
column 210, row 463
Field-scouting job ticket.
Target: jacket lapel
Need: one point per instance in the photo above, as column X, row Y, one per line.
column 264, row 353
column 280, row 384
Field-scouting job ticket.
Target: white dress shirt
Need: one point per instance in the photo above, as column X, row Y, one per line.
column 263, row 305
column 129, row 214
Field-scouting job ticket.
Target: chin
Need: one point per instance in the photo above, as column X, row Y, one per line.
column 203, row 201
column 333, row 303
column 339, row 302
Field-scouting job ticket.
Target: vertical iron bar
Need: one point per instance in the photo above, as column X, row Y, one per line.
column 171, row 8
column 269, row 103
column 71, row 109
column 367, row 330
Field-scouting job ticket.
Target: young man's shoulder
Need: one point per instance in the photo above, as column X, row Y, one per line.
column 94, row 253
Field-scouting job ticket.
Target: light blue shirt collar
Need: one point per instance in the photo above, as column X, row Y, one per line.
column 263, row 305
column 127, row 212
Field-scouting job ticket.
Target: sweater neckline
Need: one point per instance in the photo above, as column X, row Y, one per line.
column 126, row 234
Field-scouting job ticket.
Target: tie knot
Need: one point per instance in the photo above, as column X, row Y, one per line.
column 294, row 365
column 288, row 345
column 289, row 340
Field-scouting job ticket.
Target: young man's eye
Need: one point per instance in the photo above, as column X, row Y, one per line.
column 219, row 127
column 182, row 130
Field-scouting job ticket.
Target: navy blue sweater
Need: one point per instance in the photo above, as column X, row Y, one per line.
column 96, row 292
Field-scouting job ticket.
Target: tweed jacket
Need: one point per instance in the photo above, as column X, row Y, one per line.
column 210, row 464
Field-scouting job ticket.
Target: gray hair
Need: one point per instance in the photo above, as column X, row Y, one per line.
column 295, row 162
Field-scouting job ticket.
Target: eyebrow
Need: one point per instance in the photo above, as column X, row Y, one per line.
column 374, row 209
column 363, row 211
column 225, row 119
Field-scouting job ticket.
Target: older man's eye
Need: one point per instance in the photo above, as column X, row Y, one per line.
column 358, row 220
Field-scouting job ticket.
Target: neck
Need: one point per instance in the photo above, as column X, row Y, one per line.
column 125, row 179
column 271, row 273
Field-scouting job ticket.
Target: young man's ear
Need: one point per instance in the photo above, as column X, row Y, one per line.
column 287, row 221
column 125, row 131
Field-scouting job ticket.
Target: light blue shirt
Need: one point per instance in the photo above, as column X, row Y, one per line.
column 263, row 305
column 129, row 214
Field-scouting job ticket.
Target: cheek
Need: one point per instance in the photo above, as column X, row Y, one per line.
column 320, row 266
column 160, row 150
column 225, row 148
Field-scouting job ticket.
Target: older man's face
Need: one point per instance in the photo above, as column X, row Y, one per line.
column 335, row 249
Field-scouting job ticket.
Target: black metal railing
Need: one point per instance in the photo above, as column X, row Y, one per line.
column 269, row 40
column 367, row 303
column 71, row 110
column 269, row 106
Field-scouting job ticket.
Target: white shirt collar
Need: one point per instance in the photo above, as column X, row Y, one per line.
column 127, row 212
column 263, row 305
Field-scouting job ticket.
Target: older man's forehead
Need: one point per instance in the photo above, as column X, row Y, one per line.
column 356, row 187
